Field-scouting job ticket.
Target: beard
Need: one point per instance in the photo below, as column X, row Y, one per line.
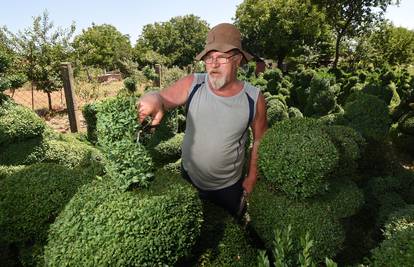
column 217, row 82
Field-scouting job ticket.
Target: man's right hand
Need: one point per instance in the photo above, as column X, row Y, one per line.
column 151, row 105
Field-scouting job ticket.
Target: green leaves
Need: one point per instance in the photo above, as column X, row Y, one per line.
column 117, row 126
column 104, row 226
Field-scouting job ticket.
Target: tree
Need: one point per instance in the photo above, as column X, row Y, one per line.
column 11, row 76
column 41, row 50
column 351, row 18
column 276, row 28
column 102, row 46
column 387, row 45
column 175, row 42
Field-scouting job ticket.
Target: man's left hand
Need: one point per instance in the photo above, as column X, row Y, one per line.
column 248, row 184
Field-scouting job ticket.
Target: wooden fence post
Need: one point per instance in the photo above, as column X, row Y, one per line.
column 158, row 71
column 69, row 87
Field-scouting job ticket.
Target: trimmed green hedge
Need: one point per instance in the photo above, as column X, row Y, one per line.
column 169, row 150
column 368, row 115
column 18, row 123
column 350, row 145
column 298, row 157
column 399, row 220
column 32, row 197
column 68, row 153
column 89, row 112
column 276, row 111
column 223, row 242
column 128, row 162
column 398, row 250
column 117, row 119
column 102, row 226
column 270, row 210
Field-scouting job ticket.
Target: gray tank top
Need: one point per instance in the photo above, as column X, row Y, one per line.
column 213, row 149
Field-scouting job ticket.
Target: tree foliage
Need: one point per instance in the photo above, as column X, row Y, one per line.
column 174, row 42
column 387, row 45
column 351, row 18
column 275, row 29
column 42, row 48
column 102, row 46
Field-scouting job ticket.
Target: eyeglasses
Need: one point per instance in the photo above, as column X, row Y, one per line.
column 220, row 59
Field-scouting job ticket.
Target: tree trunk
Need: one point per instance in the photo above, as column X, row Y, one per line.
column 49, row 99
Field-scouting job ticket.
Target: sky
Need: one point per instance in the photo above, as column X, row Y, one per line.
column 129, row 16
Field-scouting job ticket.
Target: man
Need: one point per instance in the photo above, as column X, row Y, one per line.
column 220, row 110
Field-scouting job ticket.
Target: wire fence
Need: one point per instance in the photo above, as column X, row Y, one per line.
column 57, row 118
column 38, row 100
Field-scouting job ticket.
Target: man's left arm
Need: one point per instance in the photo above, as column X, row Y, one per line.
column 259, row 127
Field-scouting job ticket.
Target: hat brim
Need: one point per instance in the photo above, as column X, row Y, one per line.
column 220, row 47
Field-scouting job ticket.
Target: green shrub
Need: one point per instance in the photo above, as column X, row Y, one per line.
column 223, row 242
column 32, row 197
column 368, row 115
column 168, row 151
column 387, row 204
column 172, row 167
column 406, row 124
column 117, row 119
column 130, row 84
column 18, row 123
column 104, row 226
column 399, row 220
column 297, row 157
column 294, row 112
column 8, row 170
column 129, row 163
column 35, row 150
column 276, row 111
column 270, row 209
column 350, row 145
column 322, row 96
column 395, row 251
column 343, row 199
column 167, row 129
column 89, row 113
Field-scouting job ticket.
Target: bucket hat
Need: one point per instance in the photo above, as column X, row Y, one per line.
column 223, row 38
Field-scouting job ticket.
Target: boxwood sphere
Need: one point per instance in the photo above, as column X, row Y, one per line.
column 102, row 226
column 297, row 157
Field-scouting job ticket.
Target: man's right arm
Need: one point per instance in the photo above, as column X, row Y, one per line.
column 154, row 104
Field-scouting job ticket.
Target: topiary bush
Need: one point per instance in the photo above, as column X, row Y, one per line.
column 396, row 250
column 276, row 111
column 31, row 198
column 406, row 123
column 297, row 157
column 322, row 95
column 168, row 151
column 104, row 226
column 350, row 145
column 89, row 113
column 116, row 120
column 368, row 115
column 71, row 153
column 128, row 162
column 399, row 220
column 270, row 209
column 18, row 123
column 223, row 241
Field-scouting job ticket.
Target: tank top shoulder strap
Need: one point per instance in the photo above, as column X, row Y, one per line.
column 199, row 80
